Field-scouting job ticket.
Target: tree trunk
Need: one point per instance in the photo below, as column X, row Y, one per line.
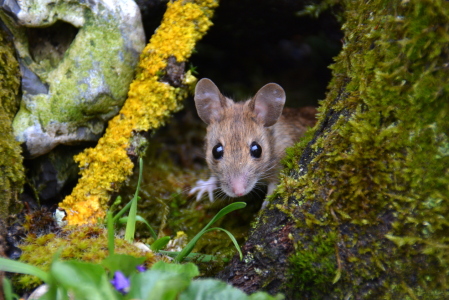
column 362, row 211
column 11, row 169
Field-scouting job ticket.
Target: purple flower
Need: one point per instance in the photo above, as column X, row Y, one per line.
column 141, row 268
column 120, row 282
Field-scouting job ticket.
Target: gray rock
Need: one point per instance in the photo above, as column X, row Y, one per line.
column 77, row 61
column 50, row 173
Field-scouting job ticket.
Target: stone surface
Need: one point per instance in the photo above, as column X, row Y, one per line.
column 77, row 61
column 49, row 173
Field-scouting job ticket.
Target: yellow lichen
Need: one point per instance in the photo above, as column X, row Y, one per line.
column 149, row 103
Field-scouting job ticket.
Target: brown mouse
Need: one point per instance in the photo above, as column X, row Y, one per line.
column 245, row 141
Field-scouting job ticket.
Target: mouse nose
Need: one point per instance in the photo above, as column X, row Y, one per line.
column 238, row 186
column 238, row 192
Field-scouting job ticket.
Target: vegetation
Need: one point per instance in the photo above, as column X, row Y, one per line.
column 12, row 177
column 374, row 172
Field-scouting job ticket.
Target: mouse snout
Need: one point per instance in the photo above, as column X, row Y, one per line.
column 238, row 185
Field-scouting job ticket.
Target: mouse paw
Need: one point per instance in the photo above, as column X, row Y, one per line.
column 203, row 186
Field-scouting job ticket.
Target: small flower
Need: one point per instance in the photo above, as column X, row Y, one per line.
column 141, row 268
column 120, row 282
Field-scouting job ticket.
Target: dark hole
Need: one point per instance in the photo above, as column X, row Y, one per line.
column 50, row 43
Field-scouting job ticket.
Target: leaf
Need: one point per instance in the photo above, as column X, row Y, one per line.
column 127, row 264
column 265, row 296
column 140, row 219
column 337, row 276
column 131, row 224
column 110, row 224
column 160, row 243
column 198, row 257
column 157, row 285
column 231, row 237
column 86, row 281
column 224, row 211
column 122, row 211
column 13, row 266
column 152, row 232
column 7, row 289
column 401, row 241
column 205, row 289
column 190, row 269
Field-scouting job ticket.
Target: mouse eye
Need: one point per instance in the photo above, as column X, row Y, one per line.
column 255, row 150
column 217, row 151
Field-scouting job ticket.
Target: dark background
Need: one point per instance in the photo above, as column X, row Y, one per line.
column 256, row 42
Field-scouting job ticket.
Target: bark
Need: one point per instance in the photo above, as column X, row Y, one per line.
column 362, row 208
column 11, row 169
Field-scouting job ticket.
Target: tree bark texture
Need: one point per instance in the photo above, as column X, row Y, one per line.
column 362, row 210
column 11, row 169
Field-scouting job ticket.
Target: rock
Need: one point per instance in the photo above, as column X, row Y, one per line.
column 77, row 61
column 38, row 292
column 52, row 172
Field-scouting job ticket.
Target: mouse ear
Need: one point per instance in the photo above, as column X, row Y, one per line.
column 268, row 103
column 208, row 100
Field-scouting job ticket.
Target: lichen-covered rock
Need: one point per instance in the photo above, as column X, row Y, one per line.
column 77, row 61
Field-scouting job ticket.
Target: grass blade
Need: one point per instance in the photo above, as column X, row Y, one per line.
column 110, row 227
column 231, row 237
column 160, row 243
column 122, row 211
column 224, row 211
column 195, row 257
column 13, row 266
column 7, row 289
column 131, row 224
column 140, row 219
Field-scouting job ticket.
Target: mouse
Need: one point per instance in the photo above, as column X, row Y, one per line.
column 245, row 141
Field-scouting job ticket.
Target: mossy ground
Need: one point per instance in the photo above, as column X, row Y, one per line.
column 375, row 170
column 84, row 243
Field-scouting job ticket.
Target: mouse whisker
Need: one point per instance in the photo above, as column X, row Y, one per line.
column 238, row 131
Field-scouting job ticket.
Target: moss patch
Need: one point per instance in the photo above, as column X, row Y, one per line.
column 375, row 170
column 305, row 272
column 84, row 243
column 12, row 172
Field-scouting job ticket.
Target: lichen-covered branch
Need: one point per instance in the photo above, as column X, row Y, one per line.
column 150, row 101
column 362, row 211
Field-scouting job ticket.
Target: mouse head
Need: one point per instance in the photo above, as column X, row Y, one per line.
column 267, row 104
column 239, row 143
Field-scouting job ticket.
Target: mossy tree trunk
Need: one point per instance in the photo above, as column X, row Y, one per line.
column 11, row 168
column 362, row 211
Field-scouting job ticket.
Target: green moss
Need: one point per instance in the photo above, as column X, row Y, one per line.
column 85, row 243
column 97, row 48
column 314, row 269
column 377, row 163
column 12, row 173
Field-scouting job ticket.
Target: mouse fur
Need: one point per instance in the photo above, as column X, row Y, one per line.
column 241, row 128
